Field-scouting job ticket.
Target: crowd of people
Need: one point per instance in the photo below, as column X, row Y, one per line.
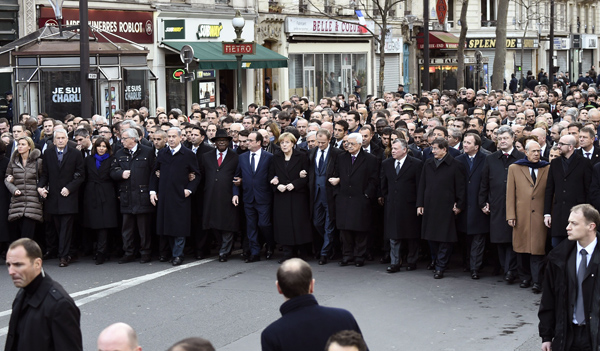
column 491, row 175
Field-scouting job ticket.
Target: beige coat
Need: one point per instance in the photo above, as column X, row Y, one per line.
column 25, row 179
column 525, row 204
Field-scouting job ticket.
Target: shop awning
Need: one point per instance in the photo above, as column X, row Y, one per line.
column 439, row 40
column 209, row 55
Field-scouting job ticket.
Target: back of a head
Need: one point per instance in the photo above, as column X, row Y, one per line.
column 346, row 338
column 294, row 277
column 192, row 344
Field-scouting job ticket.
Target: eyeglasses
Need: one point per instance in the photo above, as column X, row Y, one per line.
column 562, row 144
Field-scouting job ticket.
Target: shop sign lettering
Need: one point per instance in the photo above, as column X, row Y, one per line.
column 490, row 43
column 133, row 92
column 209, row 31
column 66, row 94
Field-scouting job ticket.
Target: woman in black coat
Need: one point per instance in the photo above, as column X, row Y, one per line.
column 291, row 215
column 99, row 198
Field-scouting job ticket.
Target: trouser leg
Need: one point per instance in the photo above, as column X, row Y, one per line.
column 144, row 224
column 523, row 264
column 395, row 251
column 443, row 255
column 476, row 251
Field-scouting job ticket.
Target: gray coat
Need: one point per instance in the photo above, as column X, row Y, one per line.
column 25, row 179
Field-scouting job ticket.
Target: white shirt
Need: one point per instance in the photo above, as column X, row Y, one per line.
column 224, row 154
column 590, row 250
column 319, row 152
column 256, row 158
column 534, row 170
column 400, row 161
column 368, row 148
column 176, row 149
column 135, row 149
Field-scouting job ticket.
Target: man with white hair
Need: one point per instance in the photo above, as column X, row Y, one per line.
column 356, row 184
column 62, row 175
column 118, row 336
column 234, row 133
column 540, row 134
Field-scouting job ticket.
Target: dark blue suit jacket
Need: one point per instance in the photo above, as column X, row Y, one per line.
column 255, row 187
column 427, row 154
column 473, row 220
column 305, row 326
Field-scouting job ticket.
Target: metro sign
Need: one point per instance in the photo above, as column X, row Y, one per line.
column 239, row 48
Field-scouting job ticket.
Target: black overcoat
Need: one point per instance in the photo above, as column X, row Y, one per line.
column 400, row 198
column 565, row 190
column 134, row 192
column 174, row 210
column 356, row 192
column 219, row 212
column 291, row 215
column 439, row 189
column 473, row 220
column 493, row 191
column 70, row 173
column 331, row 159
column 100, row 205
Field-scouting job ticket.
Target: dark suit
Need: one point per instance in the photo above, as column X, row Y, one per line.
column 493, row 192
column 401, row 222
column 201, row 238
column 594, row 156
column 304, row 325
column 427, row 153
column 355, row 194
column 473, row 222
column 70, row 174
column 560, row 296
column 566, row 189
column 50, row 321
column 488, row 144
column 258, row 198
column 322, row 202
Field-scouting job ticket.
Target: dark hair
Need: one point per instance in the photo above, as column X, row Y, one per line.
column 97, row 143
column 193, row 344
column 442, row 129
column 479, row 121
column 474, row 135
column 590, row 214
column 82, row 132
column 441, row 143
column 347, row 338
column 294, row 277
column 259, row 137
column 355, row 114
column 344, row 124
column 31, row 247
column 284, row 115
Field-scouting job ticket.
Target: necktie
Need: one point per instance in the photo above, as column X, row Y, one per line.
column 579, row 309
column 533, row 177
column 470, row 163
column 587, row 155
column 220, row 159
column 172, row 151
column 235, row 146
column 131, row 153
column 397, row 167
column 194, row 149
column 321, row 161
column 60, row 156
column 506, row 155
column 252, row 163
column 353, row 159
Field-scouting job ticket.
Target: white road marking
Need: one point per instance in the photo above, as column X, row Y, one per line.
column 113, row 288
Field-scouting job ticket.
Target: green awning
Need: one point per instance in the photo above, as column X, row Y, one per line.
column 210, row 56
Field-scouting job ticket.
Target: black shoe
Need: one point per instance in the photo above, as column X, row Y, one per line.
column 177, row 261
column 145, row 259
column 525, row 284
column 359, row 263
column 536, row 288
column 63, row 262
column 323, row 260
column 438, row 275
column 431, row 266
column 344, row 263
column 163, row 259
column 222, row 258
column 127, row 259
column 269, row 254
column 509, row 277
column 100, row 258
column 474, row 274
column 411, row 267
column 199, row 256
column 385, row 259
column 393, row 268
column 49, row 255
column 252, row 258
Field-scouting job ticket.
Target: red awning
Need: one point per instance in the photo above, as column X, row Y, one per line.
column 439, row 40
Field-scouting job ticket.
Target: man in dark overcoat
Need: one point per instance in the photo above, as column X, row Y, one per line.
column 400, row 176
column 568, row 185
column 356, row 182
column 322, row 203
column 220, row 214
column 44, row 317
column 171, row 189
column 131, row 170
column 441, row 197
column 473, row 223
column 304, row 324
column 492, row 199
column 63, row 173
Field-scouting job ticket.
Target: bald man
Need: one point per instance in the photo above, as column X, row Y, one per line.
column 118, row 337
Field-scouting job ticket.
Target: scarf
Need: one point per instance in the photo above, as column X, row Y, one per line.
column 99, row 159
column 527, row 163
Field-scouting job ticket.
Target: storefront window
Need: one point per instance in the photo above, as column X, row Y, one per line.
column 319, row 75
column 175, row 91
column 136, row 92
column 62, row 93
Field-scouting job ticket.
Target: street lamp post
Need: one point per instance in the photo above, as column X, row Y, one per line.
column 57, row 7
column 238, row 25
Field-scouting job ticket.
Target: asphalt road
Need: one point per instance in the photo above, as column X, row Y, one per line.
column 231, row 303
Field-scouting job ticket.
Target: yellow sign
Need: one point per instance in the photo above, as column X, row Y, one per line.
column 209, row 30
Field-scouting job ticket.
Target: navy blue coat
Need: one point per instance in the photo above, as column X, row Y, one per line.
column 255, row 187
column 473, row 220
column 427, row 153
column 305, row 326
